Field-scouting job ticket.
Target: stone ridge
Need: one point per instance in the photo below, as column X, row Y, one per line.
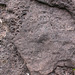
column 63, row 4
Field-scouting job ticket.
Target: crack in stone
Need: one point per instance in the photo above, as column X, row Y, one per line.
column 60, row 4
column 3, row 4
column 14, row 50
column 64, row 66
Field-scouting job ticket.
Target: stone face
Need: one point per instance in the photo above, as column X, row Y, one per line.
column 69, row 5
column 40, row 39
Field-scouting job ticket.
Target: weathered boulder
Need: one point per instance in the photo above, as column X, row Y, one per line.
column 40, row 38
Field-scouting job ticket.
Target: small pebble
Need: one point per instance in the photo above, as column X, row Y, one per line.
column 0, row 20
column 27, row 73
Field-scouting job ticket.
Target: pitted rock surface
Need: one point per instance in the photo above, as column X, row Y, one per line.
column 40, row 39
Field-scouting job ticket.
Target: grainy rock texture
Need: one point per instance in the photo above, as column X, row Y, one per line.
column 37, row 37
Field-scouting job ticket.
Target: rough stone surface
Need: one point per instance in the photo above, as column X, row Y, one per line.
column 37, row 37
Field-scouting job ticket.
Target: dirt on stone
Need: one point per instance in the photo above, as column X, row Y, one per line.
column 37, row 37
